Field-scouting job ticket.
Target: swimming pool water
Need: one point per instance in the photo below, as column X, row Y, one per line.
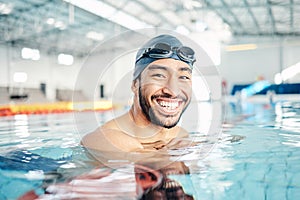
column 257, row 156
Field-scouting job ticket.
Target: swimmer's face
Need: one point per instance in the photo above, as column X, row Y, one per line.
column 165, row 90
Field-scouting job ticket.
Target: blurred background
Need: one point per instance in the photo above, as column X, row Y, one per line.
column 255, row 44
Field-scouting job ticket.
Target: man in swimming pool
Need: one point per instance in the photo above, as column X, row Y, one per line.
column 162, row 87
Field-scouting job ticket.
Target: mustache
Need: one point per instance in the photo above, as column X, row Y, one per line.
column 168, row 96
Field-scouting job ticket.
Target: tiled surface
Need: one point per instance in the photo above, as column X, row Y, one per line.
column 264, row 164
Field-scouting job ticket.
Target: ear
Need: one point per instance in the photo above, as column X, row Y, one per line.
column 135, row 85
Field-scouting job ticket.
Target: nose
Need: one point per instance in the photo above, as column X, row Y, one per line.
column 171, row 87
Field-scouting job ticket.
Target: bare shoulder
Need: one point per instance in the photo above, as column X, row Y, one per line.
column 182, row 133
column 105, row 139
column 117, row 123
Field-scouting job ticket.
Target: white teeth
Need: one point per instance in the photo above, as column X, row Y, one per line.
column 171, row 184
column 169, row 105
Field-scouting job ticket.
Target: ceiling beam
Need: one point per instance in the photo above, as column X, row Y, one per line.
column 252, row 15
column 239, row 24
column 252, row 5
column 148, row 9
column 23, row 18
column 289, row 34
column 271, row 16
column 32, row 6
column 211, row 7
column 292, row 15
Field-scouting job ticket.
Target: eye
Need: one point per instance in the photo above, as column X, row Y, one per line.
column 184, row 77
column 159, row 75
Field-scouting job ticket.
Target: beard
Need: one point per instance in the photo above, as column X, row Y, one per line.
column 150, row 113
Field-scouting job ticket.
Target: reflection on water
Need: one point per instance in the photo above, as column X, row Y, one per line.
column 134, row 181
column 256, row 157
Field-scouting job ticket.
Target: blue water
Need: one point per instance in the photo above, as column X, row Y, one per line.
column 256, row 156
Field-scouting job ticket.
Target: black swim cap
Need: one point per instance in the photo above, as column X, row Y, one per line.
column 142, row 63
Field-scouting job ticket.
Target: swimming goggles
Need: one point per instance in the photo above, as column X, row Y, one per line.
column 163, row 50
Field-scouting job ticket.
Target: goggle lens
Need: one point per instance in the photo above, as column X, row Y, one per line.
column 163, row 50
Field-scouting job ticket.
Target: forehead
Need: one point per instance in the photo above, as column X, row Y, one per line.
column 171, row 64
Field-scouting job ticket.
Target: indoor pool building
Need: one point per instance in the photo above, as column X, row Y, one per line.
column 137, row 99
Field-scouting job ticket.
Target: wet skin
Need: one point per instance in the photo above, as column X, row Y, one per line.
column 161, row 94
column 165, row 91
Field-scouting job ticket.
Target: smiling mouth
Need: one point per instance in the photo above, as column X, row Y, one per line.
column 171, row 184
column 169, row 106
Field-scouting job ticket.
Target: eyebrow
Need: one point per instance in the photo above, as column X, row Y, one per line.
column 186, row 69
column 154, row 67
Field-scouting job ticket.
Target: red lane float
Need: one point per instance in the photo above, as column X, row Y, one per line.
column 57, row 107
